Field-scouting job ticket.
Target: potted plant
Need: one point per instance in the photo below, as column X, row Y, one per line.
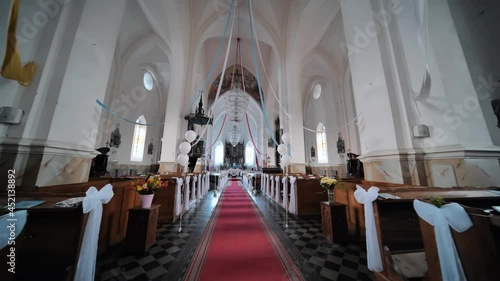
column 147, row 187
column 329, row 185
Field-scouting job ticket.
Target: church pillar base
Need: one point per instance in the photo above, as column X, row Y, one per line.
column 169, row 167
column 297, row 168
column 45, row 164
column 439, row 168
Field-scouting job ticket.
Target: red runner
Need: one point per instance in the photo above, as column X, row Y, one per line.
column 238, row 244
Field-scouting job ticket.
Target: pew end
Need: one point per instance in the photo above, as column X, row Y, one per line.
column 478, row 248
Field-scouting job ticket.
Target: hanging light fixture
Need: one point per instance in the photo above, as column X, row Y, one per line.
column 236, row 99
column 234, row 135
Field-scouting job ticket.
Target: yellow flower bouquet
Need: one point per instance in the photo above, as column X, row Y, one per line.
column 329, row 184
column 149, row 185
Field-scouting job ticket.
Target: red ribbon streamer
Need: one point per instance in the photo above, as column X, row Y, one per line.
column 251, row 136
column 221, row 128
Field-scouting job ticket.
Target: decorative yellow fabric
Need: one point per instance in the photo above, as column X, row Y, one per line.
column 11, row 67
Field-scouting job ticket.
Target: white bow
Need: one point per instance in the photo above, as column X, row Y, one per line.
column 277, row 192
column 292, row 194
column 372, row 247
column 178, row 196
column 272, row 187
column 186, row 193
column 85, row 270
column 9, row 223
column 442, row 218
column 285, row 191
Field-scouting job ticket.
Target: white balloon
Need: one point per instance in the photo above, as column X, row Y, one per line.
column 183, row 159
column 286, row 160
column 282, row 149
column 190, row 136
column 285, row 138
column 185, row 147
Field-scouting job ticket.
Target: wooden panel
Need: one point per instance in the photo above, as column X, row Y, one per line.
column 477, row 247
column 166, row 199
column 141, row 230
column 48, row 244
column 334, row 222
column 309, row 194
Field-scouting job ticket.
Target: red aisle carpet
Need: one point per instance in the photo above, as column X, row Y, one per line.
column 238, row 244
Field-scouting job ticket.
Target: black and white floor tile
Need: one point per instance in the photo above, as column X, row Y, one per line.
column 169, row 257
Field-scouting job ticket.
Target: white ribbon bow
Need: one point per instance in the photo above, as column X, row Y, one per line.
column 285, row 191
column 277, row 192
column 193, row 188
column 198, row 188
column 85, row 270
column 186, row 193
column 372, row 247
column 292, row 194
column 272, row 187
column 178, row 196
column 442, row 218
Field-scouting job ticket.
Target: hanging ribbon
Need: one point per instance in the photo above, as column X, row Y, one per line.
column 372, row 247
column 251, row 136
column 292, row 195
column 12, row 67
column 214, row 63
column 442, row 218
column 92, row 204
column 285, row 191
column 178, row 196
column 218, row 135
column 222, row 77
column 125, row 119
column 257, row 75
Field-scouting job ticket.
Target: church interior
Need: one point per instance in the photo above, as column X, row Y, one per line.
column 250, row 140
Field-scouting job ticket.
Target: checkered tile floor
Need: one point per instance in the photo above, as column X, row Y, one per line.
column 169, row 257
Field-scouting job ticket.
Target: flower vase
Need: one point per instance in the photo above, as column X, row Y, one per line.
column 331, row 196
column 146, row 200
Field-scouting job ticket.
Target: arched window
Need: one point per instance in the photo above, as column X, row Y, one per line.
column 322, row 144
column 219, row 154
column 249, row 155
column 139, row 140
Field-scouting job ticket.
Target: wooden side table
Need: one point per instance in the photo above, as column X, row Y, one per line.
column 334, row 220
column 141, row 228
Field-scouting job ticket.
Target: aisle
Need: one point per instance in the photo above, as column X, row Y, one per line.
column 239, row 245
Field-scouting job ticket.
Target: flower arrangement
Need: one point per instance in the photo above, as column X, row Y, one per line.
column 329, row 184
column 149, row 185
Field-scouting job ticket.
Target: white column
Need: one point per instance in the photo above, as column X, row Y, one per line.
column 71, row 139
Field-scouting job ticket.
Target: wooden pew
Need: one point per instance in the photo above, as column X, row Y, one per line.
column 308, row 194
column 48, row 247
column 398, row 225
column 477, row 247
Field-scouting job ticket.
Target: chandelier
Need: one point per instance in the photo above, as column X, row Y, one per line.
column 236, row 104
column 234, row 135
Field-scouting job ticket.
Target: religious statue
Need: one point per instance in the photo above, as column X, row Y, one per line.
column 340, row 145
column 116, row 138
column 313, row 152
column 150, row 148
